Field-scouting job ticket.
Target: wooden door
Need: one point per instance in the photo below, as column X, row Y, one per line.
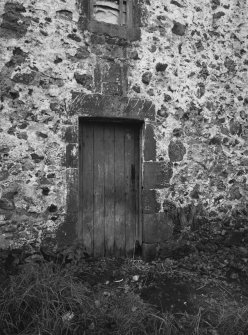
column 109, row 187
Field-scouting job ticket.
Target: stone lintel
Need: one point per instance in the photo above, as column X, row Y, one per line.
column 98, row 105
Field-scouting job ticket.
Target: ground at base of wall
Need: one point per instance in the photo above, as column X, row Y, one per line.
column 118, row 296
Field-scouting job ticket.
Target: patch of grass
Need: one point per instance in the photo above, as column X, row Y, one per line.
column 226, row 318
column 47, row 299
column 164, row 324
column 36, row 300
column 232, row 318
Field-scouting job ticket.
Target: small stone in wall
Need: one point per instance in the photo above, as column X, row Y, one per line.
column 45, row 190
column 245, row 103
column 6, row 204
column 4, row 175
column 163, row 112
column 134, row 55
column 215, row 4
column 146, row 77
column 24, row 78
column 82, row 53
column 64, row 14
column 23, row 125
column 161, row 17
column 44, row 83
column 177, row 132
column 58, row 60
column 19, row 57
column 150, row 92
column 14, row 94
column 215, row 141
column 55, row 107
column 74, row 37
column 36, row 158
column 218, row 15
column 22, row 136
column 4, row 149
column 235, row 193
column 167, row 98
column 153, row 48
column 175, row 3
column 229, row 64
column 85, row 80
column 53, row 91
column 43, row 32
column 200, row 90
column 178, row 28
column 204, row 73
column 161, row 67
column 12, row 130
column 235, row 127
column 40, row 134
column 195, row 192
column 35, row 19
column 176, row 151
column 199, row 46
column 14, row 23
column 52, row 208
column 136, row 88
column 51, row 175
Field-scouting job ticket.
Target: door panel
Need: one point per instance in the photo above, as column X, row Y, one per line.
column 98, row 191
column 87, row 183
column 129, row 188
column 109, row 182
column 120, row 229
column 109, row 191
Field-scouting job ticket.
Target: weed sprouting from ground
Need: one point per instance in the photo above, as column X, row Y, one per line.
column 165, row 324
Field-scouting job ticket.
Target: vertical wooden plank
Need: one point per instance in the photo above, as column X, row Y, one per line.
column 121, row 12
column 129, row 13
column 137, row 182
column 87, row 208
column 99, row 212
column 109, row 196
column 140, row 183
column 119, row 191
column 130, row 172
column 92, row 9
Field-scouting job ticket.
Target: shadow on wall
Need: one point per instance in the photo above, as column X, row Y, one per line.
column 186, row 221
column 182, row 217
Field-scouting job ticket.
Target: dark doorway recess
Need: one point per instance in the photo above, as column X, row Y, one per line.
column 110, row 183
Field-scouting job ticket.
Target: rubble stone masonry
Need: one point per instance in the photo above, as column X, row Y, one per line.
column 185, row 76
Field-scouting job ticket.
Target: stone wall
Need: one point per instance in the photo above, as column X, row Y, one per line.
column 190, row 63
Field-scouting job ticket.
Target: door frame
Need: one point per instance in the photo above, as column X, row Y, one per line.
column 141, row 123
